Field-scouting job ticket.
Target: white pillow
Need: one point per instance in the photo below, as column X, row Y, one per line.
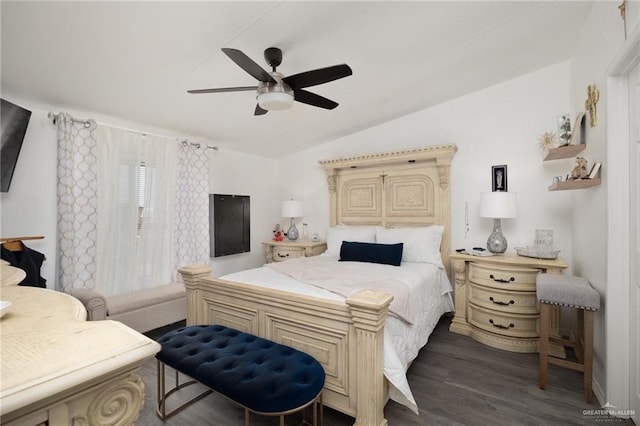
column 336, row 235
column 420, row 244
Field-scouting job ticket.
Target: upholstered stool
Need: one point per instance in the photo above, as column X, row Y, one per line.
column 262, row 376
column 573, row 292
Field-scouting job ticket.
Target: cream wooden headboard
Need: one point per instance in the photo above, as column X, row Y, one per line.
column 393, row 189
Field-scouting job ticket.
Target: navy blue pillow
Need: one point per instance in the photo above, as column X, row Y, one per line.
column 387, row 254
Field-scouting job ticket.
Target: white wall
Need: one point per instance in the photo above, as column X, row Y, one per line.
column 600, row 41
column 235, row 173
column 29, row 208
column 498, row 125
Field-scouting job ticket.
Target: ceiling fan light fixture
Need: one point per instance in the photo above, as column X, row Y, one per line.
column 273, row 101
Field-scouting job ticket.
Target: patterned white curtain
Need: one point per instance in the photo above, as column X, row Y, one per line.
column 77, row 203
column 132, row 208
column 191, row 235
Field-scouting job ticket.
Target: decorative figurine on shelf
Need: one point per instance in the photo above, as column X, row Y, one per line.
column 548, row 140
column 278, row 235
column 593, row 96
column 580, row 170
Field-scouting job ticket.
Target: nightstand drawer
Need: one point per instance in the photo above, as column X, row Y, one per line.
column 503, row 301
column 284, row 253
column 277, row 251
column 503, row 277
column 513, row 325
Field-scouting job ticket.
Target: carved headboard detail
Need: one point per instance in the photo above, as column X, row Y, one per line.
column 393, row 189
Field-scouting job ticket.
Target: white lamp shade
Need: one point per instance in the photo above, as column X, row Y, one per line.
column 498, row 205
column 291, row 208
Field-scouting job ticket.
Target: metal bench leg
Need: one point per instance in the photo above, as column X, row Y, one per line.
column 315, row 413
column 161, row 407
column 161, row 389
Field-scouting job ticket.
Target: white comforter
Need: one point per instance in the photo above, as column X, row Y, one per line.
column 348, row 278
column 430, row 298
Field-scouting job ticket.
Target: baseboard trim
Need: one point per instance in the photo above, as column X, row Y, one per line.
column 598, row 392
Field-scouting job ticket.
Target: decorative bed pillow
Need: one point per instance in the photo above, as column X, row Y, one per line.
column 420, row 244
column 337, row 234
column 387, row 254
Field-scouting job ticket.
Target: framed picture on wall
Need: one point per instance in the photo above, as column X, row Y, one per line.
column 499, row 178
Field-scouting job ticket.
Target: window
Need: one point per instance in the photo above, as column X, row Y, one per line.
column 136, row 205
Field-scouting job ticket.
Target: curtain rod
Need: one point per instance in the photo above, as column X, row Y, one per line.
column 54, row 120
column 198, row 145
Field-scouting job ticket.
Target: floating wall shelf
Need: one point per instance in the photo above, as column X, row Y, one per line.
column 575, row 184
column 566, row 151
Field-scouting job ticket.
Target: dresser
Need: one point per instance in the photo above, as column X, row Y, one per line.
column 495, row 299
column 277, row 251
column 59, row 369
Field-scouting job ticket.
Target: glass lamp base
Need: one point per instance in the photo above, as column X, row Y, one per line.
column 292, row 233
column 497, row 243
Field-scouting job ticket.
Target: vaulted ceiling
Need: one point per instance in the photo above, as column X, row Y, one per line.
column 136, row 60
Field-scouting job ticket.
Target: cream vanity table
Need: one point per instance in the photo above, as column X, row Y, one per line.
column 59, row 369
column 277, row 251
column 495, row 300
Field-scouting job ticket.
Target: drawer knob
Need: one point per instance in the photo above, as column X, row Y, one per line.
column 283, row 255
column 504, row 327
column 500, row 280
column 498, row 302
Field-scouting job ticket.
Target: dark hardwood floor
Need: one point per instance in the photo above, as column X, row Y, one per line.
column 455, row 381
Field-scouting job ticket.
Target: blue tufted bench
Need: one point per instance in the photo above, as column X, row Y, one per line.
column 262, row 376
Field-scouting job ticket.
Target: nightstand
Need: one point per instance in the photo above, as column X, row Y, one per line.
column 495, row 300
column 277, row 251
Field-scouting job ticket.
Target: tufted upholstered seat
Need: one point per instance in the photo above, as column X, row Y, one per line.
column 262, row 376
column 572, row 292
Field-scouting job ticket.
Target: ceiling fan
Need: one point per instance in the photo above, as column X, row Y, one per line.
column 275, row 91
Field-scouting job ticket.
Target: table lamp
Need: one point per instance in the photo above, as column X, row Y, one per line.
column 292, row 209
column 498, row 205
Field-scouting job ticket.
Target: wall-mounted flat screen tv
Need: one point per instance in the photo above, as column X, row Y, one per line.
column 13, row 123
column 229, row 224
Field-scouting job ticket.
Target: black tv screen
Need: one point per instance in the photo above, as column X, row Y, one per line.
column 13, row 123
column 230, row 221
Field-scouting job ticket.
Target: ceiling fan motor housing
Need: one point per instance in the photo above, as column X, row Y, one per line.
column 273, row 56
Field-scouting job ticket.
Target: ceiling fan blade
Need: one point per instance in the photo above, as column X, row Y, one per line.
column 247, row 64
column 312, row 99
column 260, row 111
column 224, row 89
column 319, row 76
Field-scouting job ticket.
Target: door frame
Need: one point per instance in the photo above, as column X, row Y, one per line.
column 618, row 225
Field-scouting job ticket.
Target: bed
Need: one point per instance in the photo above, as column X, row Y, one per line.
column 364, row 337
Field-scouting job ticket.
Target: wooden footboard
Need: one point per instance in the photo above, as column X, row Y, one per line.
column 346, row 338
